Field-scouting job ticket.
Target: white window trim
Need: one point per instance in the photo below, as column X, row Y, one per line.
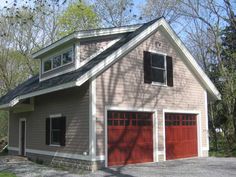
column 55, row 116
column 165, row 65
column 55, row 55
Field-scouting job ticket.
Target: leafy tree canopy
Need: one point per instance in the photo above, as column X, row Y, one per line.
column 78, row 16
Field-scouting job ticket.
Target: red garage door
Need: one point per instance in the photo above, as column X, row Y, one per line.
column 130, row 137
column 181, row 135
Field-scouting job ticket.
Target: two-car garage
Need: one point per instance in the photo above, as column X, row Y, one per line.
column 130, row 136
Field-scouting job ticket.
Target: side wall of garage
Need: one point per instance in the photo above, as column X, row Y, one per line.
column 122, row 85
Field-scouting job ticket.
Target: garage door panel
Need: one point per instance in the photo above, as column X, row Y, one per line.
column 128, row 141
column 181, row 135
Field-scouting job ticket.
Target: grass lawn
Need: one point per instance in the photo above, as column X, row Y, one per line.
column 7, row 174
column 222, row 154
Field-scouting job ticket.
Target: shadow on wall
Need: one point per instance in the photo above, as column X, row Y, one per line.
column 122, row 85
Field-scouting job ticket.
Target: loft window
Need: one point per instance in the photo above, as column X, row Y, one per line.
column 158, row 67
column 58, row 61
column 47, row 65
column 67, row 57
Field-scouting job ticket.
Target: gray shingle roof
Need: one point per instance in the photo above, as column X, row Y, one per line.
column 33, row 84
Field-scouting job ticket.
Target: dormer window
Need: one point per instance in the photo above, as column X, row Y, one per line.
column 58, row 61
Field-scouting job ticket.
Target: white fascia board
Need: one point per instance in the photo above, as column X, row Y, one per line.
column 85, row 34
column 119, row 53
column 193, row 63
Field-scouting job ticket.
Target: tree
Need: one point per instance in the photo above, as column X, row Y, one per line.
column 161, row 8
column 114, row 13
column 78, row 16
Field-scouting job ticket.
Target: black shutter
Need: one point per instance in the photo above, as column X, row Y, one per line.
column 147, row 67
column 47, row 131
column 169, row 64
column 63, row 131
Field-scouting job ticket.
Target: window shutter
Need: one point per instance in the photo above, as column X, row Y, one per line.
column 147, row 67
column 63, row 131
column 47, row 131
column 169, row 64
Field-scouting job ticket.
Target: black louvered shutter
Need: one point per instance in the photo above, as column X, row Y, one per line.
column 47, row 131
column 169, row 63
column 63, row 131
column 147, row 67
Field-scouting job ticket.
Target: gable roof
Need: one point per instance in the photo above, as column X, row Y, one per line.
column 34, row 87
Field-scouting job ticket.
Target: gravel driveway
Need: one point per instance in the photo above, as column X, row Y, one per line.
column 207, row 167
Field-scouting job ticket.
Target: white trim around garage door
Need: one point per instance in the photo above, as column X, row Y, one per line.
column 155, row 127
column 199, row 128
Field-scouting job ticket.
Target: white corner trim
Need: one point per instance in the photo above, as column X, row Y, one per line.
column 92, row 118
column 119, row 53
column 13, row 148
column 205, row 148
column 65, row 155
column 136, row 109
column 199, row 127
column 206, row 117
column 85, row 34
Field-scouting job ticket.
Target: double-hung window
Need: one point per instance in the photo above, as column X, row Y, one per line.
column 55, row 131
column 158, row 69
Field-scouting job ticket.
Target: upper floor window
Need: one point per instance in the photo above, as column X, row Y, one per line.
column 58, row 60
column 158, row 68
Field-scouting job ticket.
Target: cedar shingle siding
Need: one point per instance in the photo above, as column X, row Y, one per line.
column 72, row 103
column 122, row 85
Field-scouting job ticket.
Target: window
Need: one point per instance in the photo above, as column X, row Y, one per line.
column 158, row 64
column 55, row 131
column 58, row 61
column 67, row 57
column 47, row 65
column 158, row 68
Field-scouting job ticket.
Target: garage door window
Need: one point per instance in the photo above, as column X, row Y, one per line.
column 116, row 118
column 184, row 120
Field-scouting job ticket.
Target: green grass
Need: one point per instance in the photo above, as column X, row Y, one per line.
column 222, row 154
column 7, row 174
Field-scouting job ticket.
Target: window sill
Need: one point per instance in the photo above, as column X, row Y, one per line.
column 54, row 145
column 159, row 84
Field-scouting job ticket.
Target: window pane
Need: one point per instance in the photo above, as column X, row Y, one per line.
column 158, row 61
column 67, row 57
column 47, row 65
column 55, row 137
column 56, row 123
column 57, row 61
column 158, row 75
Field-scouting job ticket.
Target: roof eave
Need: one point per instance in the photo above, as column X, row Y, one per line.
column 83, row 35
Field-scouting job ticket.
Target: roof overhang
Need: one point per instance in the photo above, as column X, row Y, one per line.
column 84, row 35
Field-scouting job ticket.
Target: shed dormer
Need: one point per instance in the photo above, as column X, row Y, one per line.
column 76, row 49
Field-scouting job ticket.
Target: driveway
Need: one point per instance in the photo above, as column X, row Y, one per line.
column 207, row 167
